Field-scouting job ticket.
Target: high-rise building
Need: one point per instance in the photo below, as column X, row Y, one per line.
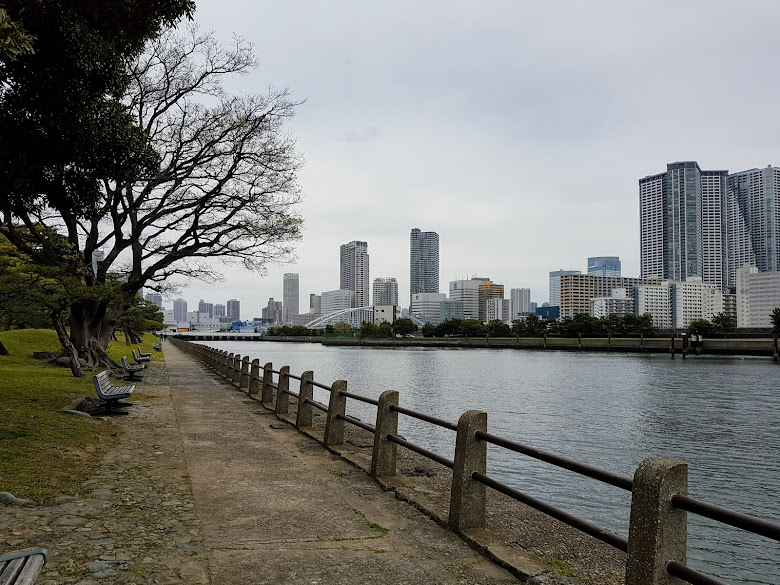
column 273, row 311
column 155, row 298
column 423, row 262
column 683, row 224
column 204, row 307
column 467, row 292
column 604, row 265
column 354, row 272
column 555, row 285
column 219, row 310
column 290, row 297
column 427, row 307
column 337, row 300
column 315, row 303
column 385, row 291
column 180, row 310
column 520, row 302
column 753, row 210
column 758, row 293
column 488, row 290
column 233, row 310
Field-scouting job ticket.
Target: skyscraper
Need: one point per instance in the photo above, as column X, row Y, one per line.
column 354, row 272
column 520, row 302
column 423, row 262
column 488, row 290
column 204, row 307
column 683, row 224
column 467, row 293
column 233, row 310
column 155, row 298
column 604, row 265
column 315, row 303
column 179, row 310
column 290, row 297
column 385, row 291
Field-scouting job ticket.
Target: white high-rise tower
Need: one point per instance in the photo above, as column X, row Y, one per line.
column 354, row 272
column 423, row 262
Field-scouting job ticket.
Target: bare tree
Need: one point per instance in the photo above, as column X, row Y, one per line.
column 225, row 188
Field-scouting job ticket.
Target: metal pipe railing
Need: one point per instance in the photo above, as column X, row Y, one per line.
column 421, row 451
column 320, row 385
column 361, row 398
column 746, row 522
column 425, row 417
column 357, row 422
column 688, row 575
column 317, row 405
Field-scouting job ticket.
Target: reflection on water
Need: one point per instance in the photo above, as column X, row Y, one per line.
column 722, row 416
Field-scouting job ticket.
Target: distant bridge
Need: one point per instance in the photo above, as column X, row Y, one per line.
column 351, row 315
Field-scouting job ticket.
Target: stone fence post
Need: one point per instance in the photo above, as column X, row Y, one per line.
column 334, row 426
column 267, row 392
column 222, row 363
column 304, row 415
column 254, row 377
column 657, row 532
column 237, row 365
column 467, row 497
column 229, row 367
column 282, row 398
column 243, row 381
column 384, row 453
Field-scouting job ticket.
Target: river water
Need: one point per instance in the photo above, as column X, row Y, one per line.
column 721, row 416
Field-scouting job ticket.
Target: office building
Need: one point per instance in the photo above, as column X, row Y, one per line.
column 449, row 309
column 578, row 290
column 618, row 303
column 315, row 303
column 180, row 310
column 604, row 265
column 385, row 314
column 498, row 309
column 154, row 298
column 233, row 310
column 488, row 290
column 555, row 285
column 354, row 272
column 337, row 300
column 521, row 302
column 290, row 298
column 654, row 297
column 204, row 307
column 423, row 262
column 219, row 310
column 758, row 294
column 273, row 312
column 467, row 293
column 385, row 291
column 427, row 306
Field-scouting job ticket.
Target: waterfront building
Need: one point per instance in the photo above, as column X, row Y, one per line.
column 758, row 294
column 354, row 272
column 219, row 310
column 273, row 312
column 290, row 297
column 753, row 220
column 617, row 303
column 555, row 285
column 204, row 307
column 578, row 290
column 233, row 310
column 423, row 262
column 467, row 293
column 315, row 303
column 427, row 306
column 498, row 309
column 654, row 298
column 385, row 291
column 180, row 310
column 449, row 309
column 303, row 319
column 385, row 314
column 155, row 298
column 488, row 290
column 337, row 300
column 694, row 299
column 521, row 302
column 604, row 266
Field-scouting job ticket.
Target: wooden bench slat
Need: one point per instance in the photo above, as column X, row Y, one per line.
column 11, row 571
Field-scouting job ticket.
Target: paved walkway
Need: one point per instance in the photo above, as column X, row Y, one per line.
column 276, row 507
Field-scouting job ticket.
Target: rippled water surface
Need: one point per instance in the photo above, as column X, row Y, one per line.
column 722, row 416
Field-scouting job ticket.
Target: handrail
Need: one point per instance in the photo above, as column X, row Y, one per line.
column 294, row 377
column 625, row 483
column 356, row 422
column 274, row 386
column 361, row 398
column 746, row 522
column 316, row 404
column 421, row 451
column 320, row 385
column 425, row 417
column 619, row 542
column 688, row 575
column 290, row 393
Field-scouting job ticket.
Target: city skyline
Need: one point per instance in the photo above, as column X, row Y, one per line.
column 555, row 124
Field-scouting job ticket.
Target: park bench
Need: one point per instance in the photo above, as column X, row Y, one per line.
column 21, row 567
column 132, row 370
column 147, row 357
column 109, row 393
column 142, row 354
column 157, row 347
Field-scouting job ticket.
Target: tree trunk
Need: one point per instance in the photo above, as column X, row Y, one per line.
column 91, row 326
column 3, row 350
column 67, row 346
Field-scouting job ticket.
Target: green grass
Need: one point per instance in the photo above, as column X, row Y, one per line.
column 560, row 567
column 116, row 349
column 44, row 453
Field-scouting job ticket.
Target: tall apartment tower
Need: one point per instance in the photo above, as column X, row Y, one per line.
column 520, row 299
column 753, row 212
column 604, row 266
column 683, row 224
column 354, row 272
column 385, row 291
column 423, row 262
column 488, row 290
column 179, row 310
column 290, row 297
column 555, row 285
column 233, row 310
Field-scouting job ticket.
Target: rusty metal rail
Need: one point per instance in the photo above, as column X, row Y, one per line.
column 688, row 575
column 421, row 451
column 361, row 398
column 357, row 422
column 293, row 376
column 315, row 404
column 320, row 385
column 425, row 417
column 745, row 522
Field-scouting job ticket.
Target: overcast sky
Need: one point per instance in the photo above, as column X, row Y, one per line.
column 516, row 130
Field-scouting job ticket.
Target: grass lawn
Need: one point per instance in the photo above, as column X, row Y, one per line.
column 44, row 453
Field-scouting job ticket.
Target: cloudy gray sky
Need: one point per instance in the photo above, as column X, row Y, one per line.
column 516, row 130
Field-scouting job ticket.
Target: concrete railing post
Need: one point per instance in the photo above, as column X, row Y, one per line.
column 267, row 392
column 229, row 367
column 254, row 377
column 243, row 381
column 334, row 426
column 221, row 361
column 657, row 531
column 383, row 456
column 305, row 411
column 282, row 398
column 237, row 366
column 467, row 498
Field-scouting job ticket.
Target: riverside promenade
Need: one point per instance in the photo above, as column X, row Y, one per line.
column 276, row 507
